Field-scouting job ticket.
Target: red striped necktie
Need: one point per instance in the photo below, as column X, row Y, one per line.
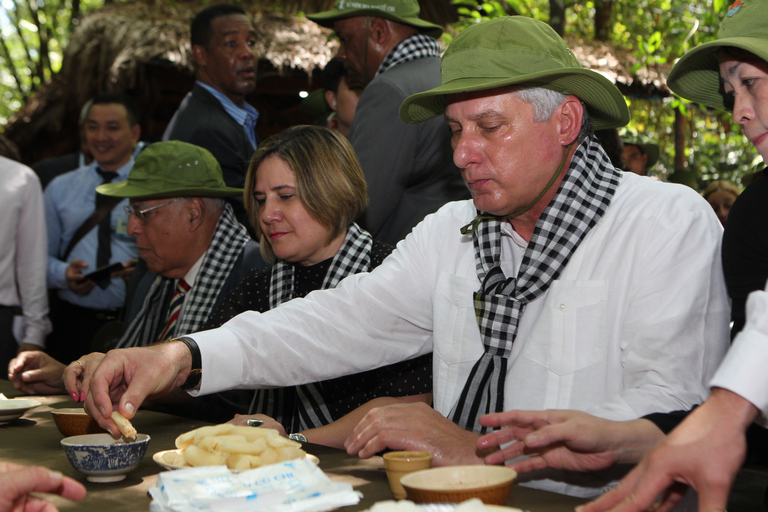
column 175, row 308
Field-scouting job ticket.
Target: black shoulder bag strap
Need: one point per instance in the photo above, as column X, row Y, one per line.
column 91, row 222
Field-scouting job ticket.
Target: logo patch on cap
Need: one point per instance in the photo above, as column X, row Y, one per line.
column 734, row 8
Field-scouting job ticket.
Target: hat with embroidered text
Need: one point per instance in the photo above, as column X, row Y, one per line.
column 516, row 50
column 401, row 11
column 172, row 169
column 696, row 76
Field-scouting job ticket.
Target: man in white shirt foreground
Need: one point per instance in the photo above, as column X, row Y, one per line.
column 618, row 309
column 708, row 448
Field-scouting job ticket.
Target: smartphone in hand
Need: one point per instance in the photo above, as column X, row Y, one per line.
column 102, row 273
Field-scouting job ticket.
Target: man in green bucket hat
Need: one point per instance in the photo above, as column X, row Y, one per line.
column 389, row 50
column 194, row 248
column 549, row 289
column 706, row 451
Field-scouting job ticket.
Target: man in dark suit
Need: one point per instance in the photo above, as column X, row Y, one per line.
column 215, row 115
column 409, row 168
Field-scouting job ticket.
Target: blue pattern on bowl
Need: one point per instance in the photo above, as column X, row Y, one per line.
column 100, row 457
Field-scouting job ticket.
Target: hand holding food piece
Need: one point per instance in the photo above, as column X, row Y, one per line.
column 124, row 425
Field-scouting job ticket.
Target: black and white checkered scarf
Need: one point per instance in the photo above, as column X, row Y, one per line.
column 418, row 46
column 228, row 241
column 582, row 198
column 353, row 257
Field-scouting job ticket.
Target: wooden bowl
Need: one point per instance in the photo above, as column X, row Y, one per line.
column 75, row 422
column 455, row 484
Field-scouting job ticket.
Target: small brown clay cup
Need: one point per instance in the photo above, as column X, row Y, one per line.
column 399, row 464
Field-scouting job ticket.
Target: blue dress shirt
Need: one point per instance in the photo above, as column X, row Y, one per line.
column 245, row 117
column 69, row 200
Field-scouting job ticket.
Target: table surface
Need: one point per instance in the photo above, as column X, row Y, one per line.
column 34, row 439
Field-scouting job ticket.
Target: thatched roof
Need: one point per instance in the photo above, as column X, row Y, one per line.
column 112, row 42
column 616, row 64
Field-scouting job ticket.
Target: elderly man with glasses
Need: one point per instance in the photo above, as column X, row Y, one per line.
column 187, row 235
column 194, row 249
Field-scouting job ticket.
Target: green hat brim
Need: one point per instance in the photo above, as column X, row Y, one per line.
column 328, row 18
column 605, row 103
column 696, row 76
column 653, row 151
column 131, row 190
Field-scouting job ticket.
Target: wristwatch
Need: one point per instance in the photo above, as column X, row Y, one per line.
column 196, row 372
column 298, row 437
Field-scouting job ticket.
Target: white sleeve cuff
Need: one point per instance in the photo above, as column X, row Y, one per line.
column 743, row 371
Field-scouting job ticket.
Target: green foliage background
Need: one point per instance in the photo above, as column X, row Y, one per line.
column 33, row 34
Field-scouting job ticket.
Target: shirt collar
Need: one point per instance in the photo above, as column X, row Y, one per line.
column 122, row 171
column 240, row 115
column 192, row 272
column 508, row 231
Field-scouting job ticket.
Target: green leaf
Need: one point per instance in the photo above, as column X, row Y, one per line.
column 718, row 6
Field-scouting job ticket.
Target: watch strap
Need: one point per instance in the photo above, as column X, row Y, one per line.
column 196, row 371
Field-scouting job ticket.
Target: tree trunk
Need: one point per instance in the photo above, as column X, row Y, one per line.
column 603, row 19
column 44, row 61
column 683, row 175
column 557, row 16
column 75, row 18
column 16, row 19
column 12, row 68
column 680, row 141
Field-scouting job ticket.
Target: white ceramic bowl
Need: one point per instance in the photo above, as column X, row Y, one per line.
column 455, row 484
column 15, row 408
column 102, row 458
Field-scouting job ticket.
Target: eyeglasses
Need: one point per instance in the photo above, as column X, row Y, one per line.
column 141, row 215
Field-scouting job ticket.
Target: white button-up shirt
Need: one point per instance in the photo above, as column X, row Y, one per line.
column 637, row 322
column 23, row 257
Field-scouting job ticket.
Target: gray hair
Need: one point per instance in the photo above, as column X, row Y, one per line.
column 214, row 204
column 545, row 101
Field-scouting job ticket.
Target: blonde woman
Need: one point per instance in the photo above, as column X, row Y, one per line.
column 303, row 190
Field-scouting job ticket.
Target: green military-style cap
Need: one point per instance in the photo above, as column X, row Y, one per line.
column 516, row 50
column 172, row 169
column 696, row 76
column 401, row 11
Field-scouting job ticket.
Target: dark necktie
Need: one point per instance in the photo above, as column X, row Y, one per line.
column 104, row 250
